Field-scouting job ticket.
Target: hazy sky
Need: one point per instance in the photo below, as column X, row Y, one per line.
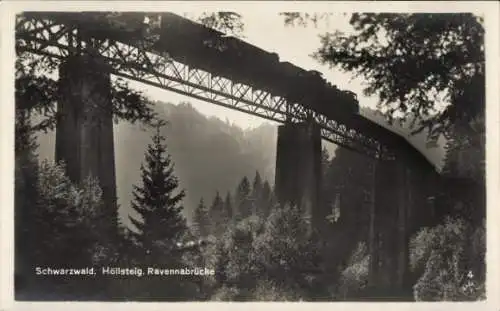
column 293, row 44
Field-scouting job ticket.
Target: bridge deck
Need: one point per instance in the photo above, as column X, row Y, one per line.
column 302, row 93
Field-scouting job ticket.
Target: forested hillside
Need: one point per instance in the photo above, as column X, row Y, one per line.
column 209, row 154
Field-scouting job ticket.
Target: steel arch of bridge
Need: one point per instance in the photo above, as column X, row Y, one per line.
column 139, row 62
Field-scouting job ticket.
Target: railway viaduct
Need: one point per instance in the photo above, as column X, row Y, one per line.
column 179, row 55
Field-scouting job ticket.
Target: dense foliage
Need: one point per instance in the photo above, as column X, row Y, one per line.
column 201, row 220
column 354, row 278
column 228, row 22
column 276, row 253
column 53, row 215
column 451, row 257
column 414, row 63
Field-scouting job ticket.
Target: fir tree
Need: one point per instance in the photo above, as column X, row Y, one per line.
column 257, row 194
column 243, row 199
column 159, row 203
column 266, row 200
column 228, row 207
column 202, row 220
column 217, row 215
column 257, row 184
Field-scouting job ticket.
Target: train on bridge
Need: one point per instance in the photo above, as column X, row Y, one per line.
column 232, row 58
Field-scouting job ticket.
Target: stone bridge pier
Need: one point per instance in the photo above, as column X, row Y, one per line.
column 388, row 236
column 404, row 188
column 400, row 203
column 84, row 134
column 298, row 168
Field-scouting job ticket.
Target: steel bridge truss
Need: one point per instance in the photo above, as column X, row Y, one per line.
column 139, row 62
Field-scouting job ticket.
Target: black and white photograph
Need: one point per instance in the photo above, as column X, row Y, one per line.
column 253, row 155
